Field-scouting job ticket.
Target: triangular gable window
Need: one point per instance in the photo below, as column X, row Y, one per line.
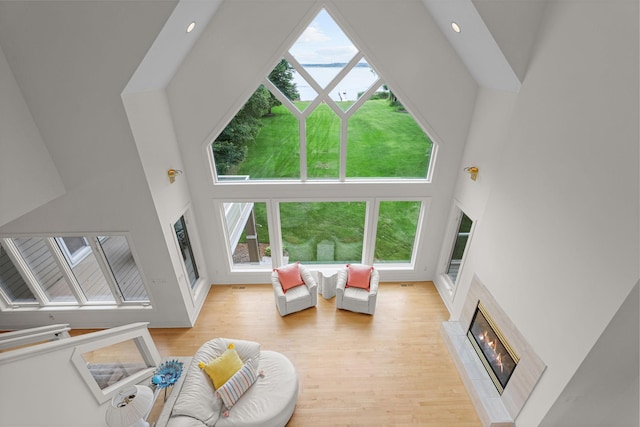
column 323, row 113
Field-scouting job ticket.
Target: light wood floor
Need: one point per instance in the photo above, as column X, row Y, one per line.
column 390, row 369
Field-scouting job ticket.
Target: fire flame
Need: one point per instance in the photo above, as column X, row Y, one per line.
column 492, row 344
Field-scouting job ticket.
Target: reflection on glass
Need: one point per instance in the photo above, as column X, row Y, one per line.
column 396, row 232
column 113, row 363
column 180, row 228
column 86, row 270
column 120, row 260
column 459, row 246
column 323, row 232
column 248, row 232
column 43, row 265
column 12, row 282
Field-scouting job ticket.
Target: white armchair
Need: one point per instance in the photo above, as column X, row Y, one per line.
column 297, row 298
column 357, row 299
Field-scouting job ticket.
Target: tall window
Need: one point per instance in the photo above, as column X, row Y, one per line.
column 186, row 250
column 69, row 270
column 322, row 232
column 323, row 118
column 460, row 242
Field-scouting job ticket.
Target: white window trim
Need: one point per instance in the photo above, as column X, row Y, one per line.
column 42, row 301
column 372, row 208
column 443, row 280
column 113, row 336
column 194, row 241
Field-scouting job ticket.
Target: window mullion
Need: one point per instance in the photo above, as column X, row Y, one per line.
column 24, row 270
column 302, row 128
column 343, row 72
column 4, row 300
column 370, row 231
column 101, row 259
column 304, row 73
column 342, row 166
column 64, row 267
column 364, row 98
column 282, row 98
column 275, row 228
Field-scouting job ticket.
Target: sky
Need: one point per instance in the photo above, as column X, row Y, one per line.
column 323, row 42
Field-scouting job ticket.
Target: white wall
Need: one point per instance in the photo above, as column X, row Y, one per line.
column 49, row 391
column 42, row 387
column 153, row 131
column 556, row 241
column 581, row 402
column 91, row 50
column 28, row 176
column 514, row 25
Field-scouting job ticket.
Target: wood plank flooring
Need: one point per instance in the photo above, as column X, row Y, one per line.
column 390, row 369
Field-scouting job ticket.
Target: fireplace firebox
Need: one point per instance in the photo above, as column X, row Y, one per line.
column 493, row 349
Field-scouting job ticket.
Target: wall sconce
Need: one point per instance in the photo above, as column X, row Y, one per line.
column 172, row 173
column 473, row 171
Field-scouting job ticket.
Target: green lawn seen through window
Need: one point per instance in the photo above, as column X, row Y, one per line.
column 382, row 143
column 304, row 225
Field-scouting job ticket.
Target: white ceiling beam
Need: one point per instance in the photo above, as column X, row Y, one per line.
column 172, row 45
column 474, row 44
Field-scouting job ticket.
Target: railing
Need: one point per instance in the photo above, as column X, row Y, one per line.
column 59, row 375
column 25, row 337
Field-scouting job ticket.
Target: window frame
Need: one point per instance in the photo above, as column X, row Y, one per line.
column 226, row 189
column 63, row 263
column 448, row 247
column 145, row 345
column 196, row 251
column 372, row 205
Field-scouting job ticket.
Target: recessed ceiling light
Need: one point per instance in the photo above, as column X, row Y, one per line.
column 455, row 27
column 191, row 26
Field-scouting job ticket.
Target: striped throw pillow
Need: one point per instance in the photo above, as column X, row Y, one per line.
column 231, row 391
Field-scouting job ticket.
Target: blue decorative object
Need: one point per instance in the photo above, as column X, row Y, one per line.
column 167, row 373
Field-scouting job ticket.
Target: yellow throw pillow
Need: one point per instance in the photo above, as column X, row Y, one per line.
column 223, row 367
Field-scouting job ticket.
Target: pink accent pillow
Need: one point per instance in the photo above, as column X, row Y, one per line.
column 359, row 276
column 289, row 276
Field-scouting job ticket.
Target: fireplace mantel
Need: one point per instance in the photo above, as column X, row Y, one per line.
column 494, row 410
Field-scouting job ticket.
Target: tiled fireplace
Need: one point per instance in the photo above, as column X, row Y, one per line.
column 496, row 364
